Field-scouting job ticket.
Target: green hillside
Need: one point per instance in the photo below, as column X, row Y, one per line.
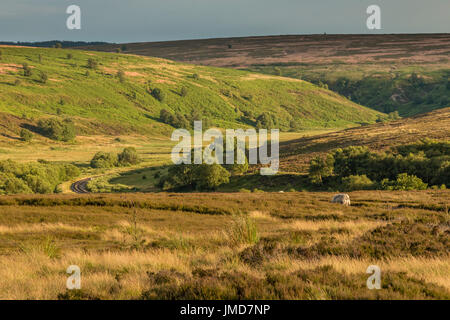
column 408, row 73
column 114, row 95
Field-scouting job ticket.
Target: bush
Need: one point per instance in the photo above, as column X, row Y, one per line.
column 104, row 160
column 361, row 182
column 41, row 177
column 17, row 82
column 26, row 135
column 69, row 56
column 128, row 156
column 183, row 92
column 265, row 121
column 243, row 231
column 158, row 94
column 211, row 176
column 404, row 182
column 92, row 64
column 27, row 72
column 121, row 76
column 43, row 76
column 57, row 130
column 320, row 168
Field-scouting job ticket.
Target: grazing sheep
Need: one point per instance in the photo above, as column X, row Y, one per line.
column 342, row 198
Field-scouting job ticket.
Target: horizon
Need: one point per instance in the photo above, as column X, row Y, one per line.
column 238, row 37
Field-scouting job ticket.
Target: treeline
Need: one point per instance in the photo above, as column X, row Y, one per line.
column 203, row 176
column 409, row 167
column 127, row 157
column 53, row 44
column 183, row 121
column 27, row 178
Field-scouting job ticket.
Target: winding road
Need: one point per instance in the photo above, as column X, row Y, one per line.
column 80, row 186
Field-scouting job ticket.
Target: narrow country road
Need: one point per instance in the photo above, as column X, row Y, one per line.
column 80, row 186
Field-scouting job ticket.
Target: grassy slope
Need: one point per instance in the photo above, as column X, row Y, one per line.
column 296, row 154
column 378, row 66
column 102, row 104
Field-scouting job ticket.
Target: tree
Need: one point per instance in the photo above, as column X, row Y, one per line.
column 26, row 135
column 104, row 160
column 361, row 182
column 404, row 182
column 58, row 45
column 265, row 121
column 320, row 168
column 210, row 176
column 57, row 130
column 236, row 168
column 165, row 116
column 129, row 156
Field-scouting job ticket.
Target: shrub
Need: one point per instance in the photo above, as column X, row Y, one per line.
column 243, row 231
column 104, row 160
column 43, row 76
column 27, row 72
column 183, row 92
column 121, row 76
column 69, row 56
column 41, row 177
column 17, row 82
column 158, row 94
column 92, row 64
column 128, row 156
column 57, row 130
column 358, row 182
column 210, row 176
column 26, row 135
column 320, row 168
column 265, row 121
column 404, row 182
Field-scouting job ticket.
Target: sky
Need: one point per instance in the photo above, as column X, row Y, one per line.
column 159, row 20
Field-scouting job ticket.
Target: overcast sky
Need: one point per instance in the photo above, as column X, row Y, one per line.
column 156, row 20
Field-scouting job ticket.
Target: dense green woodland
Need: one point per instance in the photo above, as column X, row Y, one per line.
column 407, row 167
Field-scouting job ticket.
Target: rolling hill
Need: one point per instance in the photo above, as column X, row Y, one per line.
column 114, row 95
column 408, row 73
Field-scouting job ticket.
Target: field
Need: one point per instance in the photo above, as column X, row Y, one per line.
column 137, row 234
column 408, row 73
column 226, row 246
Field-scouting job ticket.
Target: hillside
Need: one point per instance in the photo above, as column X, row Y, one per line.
column 102, row 101
column 397, row 72
column 296, row 154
